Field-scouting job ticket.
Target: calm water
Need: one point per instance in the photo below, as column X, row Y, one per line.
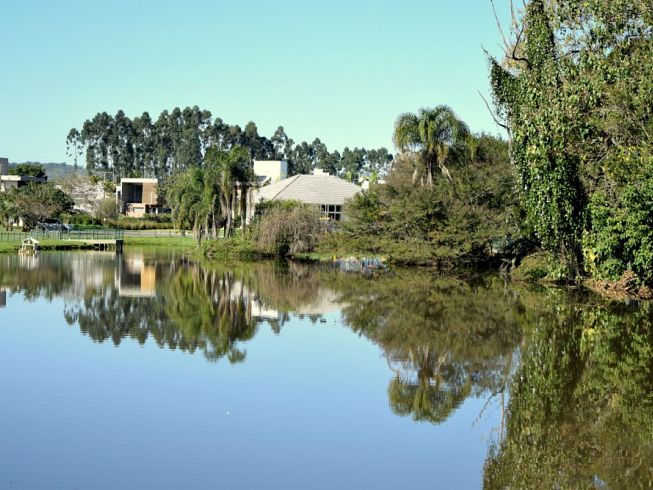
column 145, row 371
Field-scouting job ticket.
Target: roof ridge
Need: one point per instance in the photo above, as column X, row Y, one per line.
column 292, row 179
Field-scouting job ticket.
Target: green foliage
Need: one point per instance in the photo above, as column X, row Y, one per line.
column 581, row 403
column 56, row 172
column 116, row 146
column 288, row 228
column 107, row 209
column 205, row 199
column 621, row 237
column 437, row 136
column 544, row 118
column 450, row 222
column 81, row 219
column 8, row 211
column 37, row 202
column 152, row 222
column 232, row 249
column 576, row 94
column 539, row 266
column 27, row 170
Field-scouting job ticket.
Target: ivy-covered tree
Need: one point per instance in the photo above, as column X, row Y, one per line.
column 575, row 92
column 545, row 120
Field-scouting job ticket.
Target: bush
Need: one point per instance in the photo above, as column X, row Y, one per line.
column 288, row 229
column 154, row 222
column 621, row 237
column 537, row 267
column 452, row 223
column 107, row 208
column 81, row 219
column 235, row 248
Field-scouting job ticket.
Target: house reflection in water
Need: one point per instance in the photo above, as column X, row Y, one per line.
column 135, row 278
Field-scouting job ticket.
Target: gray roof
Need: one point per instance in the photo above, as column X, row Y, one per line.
column 310, row 189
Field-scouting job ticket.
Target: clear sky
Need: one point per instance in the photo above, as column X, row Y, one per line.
column 334, row 69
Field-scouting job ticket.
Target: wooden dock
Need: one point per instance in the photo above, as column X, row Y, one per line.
column 116, row 244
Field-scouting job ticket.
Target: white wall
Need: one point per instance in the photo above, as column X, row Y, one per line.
column 276, row 170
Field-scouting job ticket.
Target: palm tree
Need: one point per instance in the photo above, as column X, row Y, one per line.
column 234, row 176
column 190, row 201
column 204, row 199
column 431, row 134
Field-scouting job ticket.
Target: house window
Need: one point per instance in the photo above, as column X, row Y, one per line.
column 331, row 211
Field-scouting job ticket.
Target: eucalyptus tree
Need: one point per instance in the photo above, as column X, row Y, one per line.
column 281, row 144
column 145, row 145
column 116, row 146
column 434, row 135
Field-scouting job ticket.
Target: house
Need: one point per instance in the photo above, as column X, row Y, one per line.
column 139, row 197
column 270, row 171
column 9, row 182
column 326, row 191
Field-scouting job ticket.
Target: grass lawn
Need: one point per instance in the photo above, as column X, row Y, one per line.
column 12, row 247
column 187, row 242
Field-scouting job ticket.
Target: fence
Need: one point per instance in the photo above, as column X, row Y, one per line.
column 99, row 234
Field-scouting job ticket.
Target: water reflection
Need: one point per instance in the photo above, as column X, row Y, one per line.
column 581, row 407
column 577, row 371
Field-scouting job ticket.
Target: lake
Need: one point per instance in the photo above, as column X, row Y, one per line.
column 144, row 370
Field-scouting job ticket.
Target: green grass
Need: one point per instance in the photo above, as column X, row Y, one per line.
column 186, row 242
column 12, row 247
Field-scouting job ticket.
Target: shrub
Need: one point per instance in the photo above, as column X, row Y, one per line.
column 621, row 237
column 81, row 218
column 154, row 222
column 107, row 208
column 234, row 248
column 289, row 229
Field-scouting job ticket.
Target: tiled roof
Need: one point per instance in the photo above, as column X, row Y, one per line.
column 311, row 189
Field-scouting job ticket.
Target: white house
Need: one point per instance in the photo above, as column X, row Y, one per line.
column 321, row 189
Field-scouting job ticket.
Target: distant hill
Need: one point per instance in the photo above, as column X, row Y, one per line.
column 57, row 171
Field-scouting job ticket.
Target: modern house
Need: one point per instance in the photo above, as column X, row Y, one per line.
column 139, row 197
column 326, row 191
column 9, row 182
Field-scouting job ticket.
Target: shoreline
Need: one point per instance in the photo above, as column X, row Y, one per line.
column 236, row 251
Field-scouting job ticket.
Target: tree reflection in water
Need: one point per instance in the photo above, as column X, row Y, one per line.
column 445, row 339
column 581, row 407
column 579, row 370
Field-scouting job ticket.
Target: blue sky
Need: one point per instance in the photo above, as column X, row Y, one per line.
column 338, row 70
